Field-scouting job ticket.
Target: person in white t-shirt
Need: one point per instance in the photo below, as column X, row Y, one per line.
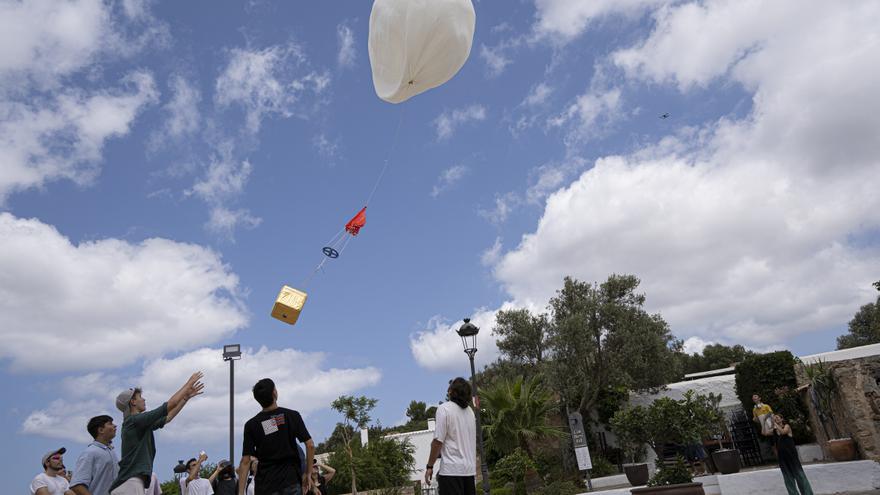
column 455, row 441
column 50, row 481
column 195, row 484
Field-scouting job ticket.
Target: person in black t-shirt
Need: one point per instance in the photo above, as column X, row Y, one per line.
column 225, row 483
column 271, row 436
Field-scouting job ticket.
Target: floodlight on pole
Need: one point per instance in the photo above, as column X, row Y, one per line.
column 232, row 353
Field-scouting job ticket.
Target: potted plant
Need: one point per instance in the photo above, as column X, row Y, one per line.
column 823, row 389
column 628, row 424
column 668, row 421
column 672, row 479
column 706, row 409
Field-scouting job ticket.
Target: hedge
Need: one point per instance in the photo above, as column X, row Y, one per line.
column 772, row 377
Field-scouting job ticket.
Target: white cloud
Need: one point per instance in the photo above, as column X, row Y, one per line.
column 448, row 178
column 268, row 82
column 590, row 115
column 182, row 112
column 695, row 345
column 224, row 179
column 492, row 255
column 568, row 19
column 449, row 121
column 107, row 303
column 495, row 59
column 347, row 53
column 304, row 383
column 503, row 207
column 326, row 147
column 223, row 221
column 44, row 40
column 439, row 348
column 62, row 136
column 223, row 183
column 549, row 177
column 748, row 233
column 538, row 95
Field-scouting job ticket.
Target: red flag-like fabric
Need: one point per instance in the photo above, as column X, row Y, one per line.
column 354, row 225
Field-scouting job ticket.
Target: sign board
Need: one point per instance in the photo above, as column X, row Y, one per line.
column 579, row 438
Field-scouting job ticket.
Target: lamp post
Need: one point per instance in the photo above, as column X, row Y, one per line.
column 231, row 353
column 468, row 333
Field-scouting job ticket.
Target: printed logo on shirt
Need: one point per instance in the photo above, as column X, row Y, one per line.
column 271, row 425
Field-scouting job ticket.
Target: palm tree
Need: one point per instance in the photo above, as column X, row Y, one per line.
column 518, row 413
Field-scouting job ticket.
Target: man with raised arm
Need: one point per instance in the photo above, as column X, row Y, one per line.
column 138, row 425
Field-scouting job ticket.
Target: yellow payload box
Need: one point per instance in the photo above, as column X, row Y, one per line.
column 289, row 304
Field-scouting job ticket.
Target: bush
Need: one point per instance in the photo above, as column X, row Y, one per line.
column 772, row 377
column 671, row 475
column 513, row 468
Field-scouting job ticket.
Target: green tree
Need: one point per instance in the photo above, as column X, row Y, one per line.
column 715, row 356
column 382, row 463
column 601, row 337
column 522, row 336
column 517, row 413
column 864, row 328
column 170, row 487
column 336, row 440
column 355, row 412
column 417, row 411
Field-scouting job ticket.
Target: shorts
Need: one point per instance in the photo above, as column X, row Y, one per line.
column 132, row 486
column 456, row 485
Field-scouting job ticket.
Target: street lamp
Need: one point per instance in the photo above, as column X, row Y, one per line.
column 232, row 353
column 468, row 333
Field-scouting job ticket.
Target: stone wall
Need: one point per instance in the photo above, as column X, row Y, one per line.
column 857, row 410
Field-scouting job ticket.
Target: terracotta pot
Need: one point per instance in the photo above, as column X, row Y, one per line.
column 636, row 474
column 680, row 489
column 727, row 461
column 842, row 449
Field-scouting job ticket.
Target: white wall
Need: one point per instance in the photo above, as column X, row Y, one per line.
column 421, row 440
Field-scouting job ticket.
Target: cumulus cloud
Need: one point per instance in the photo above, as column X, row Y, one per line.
column 302, row 379
column 62, row 135
column 439, row 348
column 750, row 232
column 448, row 178
column 347, row 53
column 272, row 81
column 107, row 303
column 447, row 123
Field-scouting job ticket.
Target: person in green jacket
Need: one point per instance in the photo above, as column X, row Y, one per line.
column 138, row 425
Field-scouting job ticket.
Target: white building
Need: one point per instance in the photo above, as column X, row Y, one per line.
column 421, row 441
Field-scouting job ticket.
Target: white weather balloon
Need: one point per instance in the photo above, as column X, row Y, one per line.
column 416, row 45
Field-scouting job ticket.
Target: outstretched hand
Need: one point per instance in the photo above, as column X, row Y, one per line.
column 198, row 375
column 197, row 388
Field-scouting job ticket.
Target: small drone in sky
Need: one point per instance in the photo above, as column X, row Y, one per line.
column 665, row 115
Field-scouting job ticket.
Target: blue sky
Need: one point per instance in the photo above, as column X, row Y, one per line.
column 165, row 167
